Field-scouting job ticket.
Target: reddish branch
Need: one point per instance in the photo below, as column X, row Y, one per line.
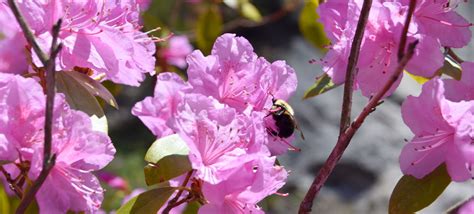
column 49, row 63
column 346, row 136
column 174, row 202
column 351, row 66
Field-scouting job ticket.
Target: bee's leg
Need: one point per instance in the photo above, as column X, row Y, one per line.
column 301, row 132
column 275, row 134
column 292, row 148
column 272, row 132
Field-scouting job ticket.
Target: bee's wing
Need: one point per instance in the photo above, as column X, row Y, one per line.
column 297, row 127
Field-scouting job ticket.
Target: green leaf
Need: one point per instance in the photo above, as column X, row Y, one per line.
column 451, row 69
column 208, row 28
column 77, row 95
column 4, row 202
column 312, row 30
column 148, row 202
column 323, row 84
column 249, row 11
column 94, row 87
column 411, row 195
column 168, row 158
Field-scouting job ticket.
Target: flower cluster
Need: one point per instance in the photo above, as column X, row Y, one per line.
column 79, row 149
column 442, row 119
column 220, row 113
column 434, row 24
column 103, row 36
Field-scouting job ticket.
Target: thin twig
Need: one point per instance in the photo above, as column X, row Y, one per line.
column 403, row 39
column 50, row 63
column 30, row 37
column 173, row 202
column 11, row 182
column 351, row 66
column 344, row 139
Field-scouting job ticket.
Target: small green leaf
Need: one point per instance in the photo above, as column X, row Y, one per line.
column 249, row 11
column 208, row 28
column 323, row 84
column 312, row 30
column 77, row 95
column 411, row 195
column 148, row 202
column 2, row 36
column 94, row 87
column 451, row 69
column 167, row 158
column 167, row 168
column 4, row 202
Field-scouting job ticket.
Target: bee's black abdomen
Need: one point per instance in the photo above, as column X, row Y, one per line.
column 285, row 124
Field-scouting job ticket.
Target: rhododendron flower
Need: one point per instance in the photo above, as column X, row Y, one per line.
column 155, row 111
column 467, row 207
column 79, row 150
column 222, row 114
column 177, row 50
column 234, row 76
column 433, row 25
column 245, row 188
column 12, row 44
column 113, row 180
column 444, row 130
column 101, row 35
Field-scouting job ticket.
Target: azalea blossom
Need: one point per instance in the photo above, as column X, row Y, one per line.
column 443, row 124
column 12, row 44
column 222, row 114
column 177, row 50
column 245, row 188
column 79, row 150
column 234, row 76
column 101, row 35
column 434, row 25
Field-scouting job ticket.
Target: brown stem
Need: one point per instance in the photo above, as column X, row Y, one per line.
column 48, row 159
column 172, row 203
column 345, row 138
column 11, row 182
column 403, row 39
column 30, row 37
column 351, row 66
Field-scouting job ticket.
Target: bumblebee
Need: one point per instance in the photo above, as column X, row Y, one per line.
column 284, row 118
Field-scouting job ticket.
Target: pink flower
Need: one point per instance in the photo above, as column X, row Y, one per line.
column 381, row 39
column 100, row 35
column 444, row 132
column 177, row 50
column 79, row 149
column 245, row 188
column 113, row 180
column 212, row 132
column 155, row 111
column 12, row 43
column 234, row 75
column 467, row 207
column 464, row 89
